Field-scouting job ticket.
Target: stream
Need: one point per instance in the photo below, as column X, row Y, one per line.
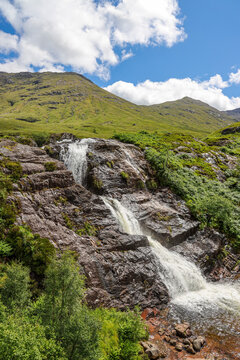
column 212, row 307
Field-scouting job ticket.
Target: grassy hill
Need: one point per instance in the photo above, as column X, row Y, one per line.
column 68, row 102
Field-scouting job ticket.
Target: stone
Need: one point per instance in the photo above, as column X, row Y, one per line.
column 153, row 352
column 186, row 342
column 198, row 343
column 190, row 349
column 167, row 338
column 161, row 331
column 173, row 342
column 181, row 329
column 179, row 346
column 163, row 351
column 188, row 332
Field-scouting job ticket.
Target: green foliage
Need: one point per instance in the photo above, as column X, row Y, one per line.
column 21, row 339
column 110, row 164
column 120, row 334
column 71, row 103
column 179, row 163
column 63, row 313
column 40, row 138
column 88, row 229
column 68, row 221
column 50, row 166
column 124, row 175
column 97, row 183
column 211, row 201
column 31, row 249
column 58, row 325
column 140, row 184
column 5, row 249
column 151, row 184
column 14, row 288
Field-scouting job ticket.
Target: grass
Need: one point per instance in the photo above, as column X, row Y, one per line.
column 68, row 102
column 182, row 163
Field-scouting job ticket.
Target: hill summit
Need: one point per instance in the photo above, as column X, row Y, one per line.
column 69, row 102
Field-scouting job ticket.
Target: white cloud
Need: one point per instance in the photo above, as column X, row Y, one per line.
column 126, row 55
column 83, row 34
column 148, row 92
column 8, row 42
column 234, row 78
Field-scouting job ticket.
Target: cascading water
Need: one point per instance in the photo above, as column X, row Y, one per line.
column 75, row 158
column 189, row 290
column 191, row 295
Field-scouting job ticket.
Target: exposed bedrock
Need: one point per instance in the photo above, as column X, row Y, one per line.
column 120, row 269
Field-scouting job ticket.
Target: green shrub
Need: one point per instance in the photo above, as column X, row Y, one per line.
column 15, row 291
column 120, row 334
column 124, row 175
column 21, row 339
column 151, row 184
column 97, row 183
column 50, row 166
column 88, row 229
column 5, row 249
column 41, row 138
column 30, row 249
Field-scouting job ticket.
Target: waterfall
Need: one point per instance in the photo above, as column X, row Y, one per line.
column 189, row 290
column 75, row 158
column 191, row 294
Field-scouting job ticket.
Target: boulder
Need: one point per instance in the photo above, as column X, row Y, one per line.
column 181, row 329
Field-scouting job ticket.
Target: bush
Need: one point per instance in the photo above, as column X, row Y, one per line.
column 21, row 339
column 120, row 334
column 31, row 249
column 50, row 166
column 63, row 313
column 14, row 289
column 124, row 175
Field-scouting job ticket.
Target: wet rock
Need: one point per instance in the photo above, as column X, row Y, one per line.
column 186, row 342
column 152, row 351
column 179, row 346
column 181, row 329
column 167, row 339
column 120, row 269
column 201, row 248
column 190, row 349
column 163, row 351
column 161, row 331
column 198, row 343
column 173, row 342
column 155, row 351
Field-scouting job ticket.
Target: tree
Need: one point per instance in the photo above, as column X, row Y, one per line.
column 63, row 312
column 14, row 290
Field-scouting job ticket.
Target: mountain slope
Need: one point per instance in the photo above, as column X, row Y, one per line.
column 235, row 114
column 68, row 102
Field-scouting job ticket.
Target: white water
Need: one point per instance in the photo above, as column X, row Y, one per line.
column 75, row 158
column 189, row 290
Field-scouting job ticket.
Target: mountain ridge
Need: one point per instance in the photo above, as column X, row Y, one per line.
column 69, row 102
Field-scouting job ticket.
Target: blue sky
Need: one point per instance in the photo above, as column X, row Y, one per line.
column 194, row 53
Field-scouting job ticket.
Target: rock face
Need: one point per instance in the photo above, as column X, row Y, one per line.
column 120, row 269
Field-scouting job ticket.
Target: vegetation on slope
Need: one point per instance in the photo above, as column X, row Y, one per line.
column 43, row 315
column 58, row 325
column 199, row 173
column 68, row 102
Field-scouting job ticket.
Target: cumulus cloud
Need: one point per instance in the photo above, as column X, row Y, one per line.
column 235, row 77
column 83, row 34
column 8, row 42
column 149, row 92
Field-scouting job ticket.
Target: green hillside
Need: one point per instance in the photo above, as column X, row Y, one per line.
column 68, row 102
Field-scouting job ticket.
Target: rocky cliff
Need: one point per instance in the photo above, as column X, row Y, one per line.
column 121, row 269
